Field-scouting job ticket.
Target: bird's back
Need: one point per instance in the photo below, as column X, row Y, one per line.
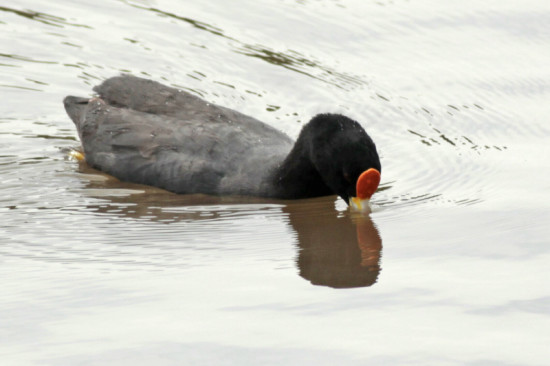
column 144, row 132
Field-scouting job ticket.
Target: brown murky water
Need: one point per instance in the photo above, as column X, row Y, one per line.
column 450, row 268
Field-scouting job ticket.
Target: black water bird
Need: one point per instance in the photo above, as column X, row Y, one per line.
column 141, row 131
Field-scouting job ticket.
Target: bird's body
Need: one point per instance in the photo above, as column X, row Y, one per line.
column 144, row 132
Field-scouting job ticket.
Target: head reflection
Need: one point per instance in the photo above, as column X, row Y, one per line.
column 338, row 250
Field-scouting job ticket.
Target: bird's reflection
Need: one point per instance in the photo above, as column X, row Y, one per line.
column 337, row 249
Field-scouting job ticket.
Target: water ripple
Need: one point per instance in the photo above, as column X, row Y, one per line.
column 43, row 17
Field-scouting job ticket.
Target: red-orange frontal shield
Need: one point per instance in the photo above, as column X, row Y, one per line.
column 368, row 183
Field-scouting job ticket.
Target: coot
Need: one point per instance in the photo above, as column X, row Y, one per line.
column 141, row 131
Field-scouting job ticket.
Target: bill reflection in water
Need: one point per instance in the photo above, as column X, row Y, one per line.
column 339, row 250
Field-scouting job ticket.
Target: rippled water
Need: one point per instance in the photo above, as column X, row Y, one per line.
column 450, row 268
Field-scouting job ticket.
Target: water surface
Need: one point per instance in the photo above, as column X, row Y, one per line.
column 450, row 268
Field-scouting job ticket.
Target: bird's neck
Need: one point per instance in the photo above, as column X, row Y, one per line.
column 297, row 177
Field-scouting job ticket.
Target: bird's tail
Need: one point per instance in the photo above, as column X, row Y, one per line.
column 75, row 108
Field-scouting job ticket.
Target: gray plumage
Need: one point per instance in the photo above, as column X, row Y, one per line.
column 145, row 132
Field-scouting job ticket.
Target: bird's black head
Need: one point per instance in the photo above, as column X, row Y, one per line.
column 341, row 151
